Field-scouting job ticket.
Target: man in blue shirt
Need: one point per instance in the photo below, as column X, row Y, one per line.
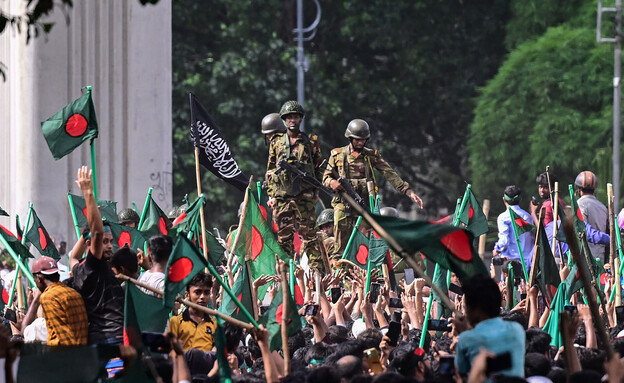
column 506, row 245
column 482, row 300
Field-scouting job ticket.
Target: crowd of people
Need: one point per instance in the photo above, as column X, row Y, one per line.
column 358, row 325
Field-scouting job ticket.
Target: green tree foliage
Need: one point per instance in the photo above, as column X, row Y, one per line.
column 410, row 68
column 549, row 104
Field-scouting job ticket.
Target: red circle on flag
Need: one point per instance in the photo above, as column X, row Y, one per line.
column 124, row 239
column 362, row 254
column 162, row 226
column 84, row 211
column 257, row 242
column 470, row 212
column 180, row 269
column 179, row 219
column 263, row 211
column 579, row 214
column 376, row 235
column 43, row 242
column 458, row 245
column 279, row 314
column 274, row 227
column 5, row 296
column 76, row 125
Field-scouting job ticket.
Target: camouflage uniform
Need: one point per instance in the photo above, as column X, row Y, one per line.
column 358, row 170
column 295, row 212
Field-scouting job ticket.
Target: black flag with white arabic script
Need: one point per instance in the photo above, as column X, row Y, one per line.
column 214, row 152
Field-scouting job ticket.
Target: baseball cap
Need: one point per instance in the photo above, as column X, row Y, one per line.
column 44, row 265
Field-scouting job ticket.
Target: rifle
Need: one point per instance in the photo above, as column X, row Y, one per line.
column 299, row 175
column 348, row 188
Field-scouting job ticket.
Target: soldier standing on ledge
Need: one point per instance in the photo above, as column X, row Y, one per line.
column 357, row 163
column 293, row 210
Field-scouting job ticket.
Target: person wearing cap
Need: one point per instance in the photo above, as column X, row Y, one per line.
column 506, row 245
column 594, row 212
column 63, row 308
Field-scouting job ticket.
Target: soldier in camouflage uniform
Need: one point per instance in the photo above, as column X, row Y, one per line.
column 357, row 164
column 294, row 212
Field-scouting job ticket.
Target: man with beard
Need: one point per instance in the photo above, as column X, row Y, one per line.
column 357, row 163
column 93, row 277
column 294, row 208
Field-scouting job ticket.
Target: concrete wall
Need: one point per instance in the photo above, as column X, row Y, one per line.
column 123, row 50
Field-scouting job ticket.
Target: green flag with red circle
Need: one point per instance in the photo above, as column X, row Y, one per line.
column 257, row 243
column 184, row 263
column 155, row 221
column 472, row 217
column 272, row 319
column 242, row 289
column 39, row 237
column 447, row 245
column 189, row 219
column 71, row 126
column 522, row 226
column 126, row 236
column 15, row 243
column 359, row 249
column 108, row 209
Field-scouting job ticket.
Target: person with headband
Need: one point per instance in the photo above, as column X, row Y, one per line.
column 506, row 245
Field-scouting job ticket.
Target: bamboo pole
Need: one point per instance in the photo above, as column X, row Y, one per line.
column 201, row 211
column 483, row 237
column 555, row 208
column 188, row 303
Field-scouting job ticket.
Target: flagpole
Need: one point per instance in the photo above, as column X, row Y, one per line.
column 20, row 290
column 483, row 237
column 259, row 188
column 399, row 250
column 73, row 213
column 357, row 224
column 515, row 231
column 291, row 268
column 93, row 167
column 555, row 208
column 188, row 303
column 144, row 212
column 17, row 260
column 284, row 326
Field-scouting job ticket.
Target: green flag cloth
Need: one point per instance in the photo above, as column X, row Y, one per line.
column 267, row 213
column 71, row 126
column 257, row 243
column 216, row 251
column 472, row 217
column 522, row 226
column 546, row 272
column 184, row 263
column 189, row 220
column 155, row 221
column 40, row 238
column 552, row 323
column 579, row 223
column 511, row 286
column 125, row 235
column 225, row 373
column 242, row 289
column 142, row 313
column 15, row 243
column 359, row 250
column 379, row 252
column 4, row 213
column 108, row 210
column 272, row 320
column 441, row 281
column 449, row 246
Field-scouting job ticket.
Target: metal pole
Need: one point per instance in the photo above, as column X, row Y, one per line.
column 617, row 68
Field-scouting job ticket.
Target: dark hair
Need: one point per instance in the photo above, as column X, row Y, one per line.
column 542, row 179
column 350, row 367
column 233, row 335
column 414, row 337
column 512, row 194
column 518, row 270
column 127, row 258
column 337, row 334
column 160, row 247
column 371, row 337
column 557, row 375
column 323, row 374
column 537, row 340
column 443, row 343
column 536, row 364
column 403, row 359
column 518, row 317
column 318, row 352
column 295, row 342
column 592, row 359
column 351, row 347
column 390, row 377
column 585, row 376
column 201, row 279
column 52, row 277
column 481, row 292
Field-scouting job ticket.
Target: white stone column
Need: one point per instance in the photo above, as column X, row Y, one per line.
column 123, row 50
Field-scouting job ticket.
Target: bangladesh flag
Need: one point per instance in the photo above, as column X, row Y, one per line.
column 379, row 251
column 358, row 251
column 225, row 373
column 472, row 217
column 449, row 246
column 267, row 213
column 440, row 280
column 184, row 263
column 242, row 289
column 522, row 226
column 216, row 251
column 155, row 221
column 125, row 235
column 547, row 272
column 71, row 126
column 511, row 288
column 142, row 313
column 15, row 243
column 108, row 210
column 257, row 243
column 40, row 238
column 4, row 213
column 189, row 220
column 272, row 320
column 552, row 323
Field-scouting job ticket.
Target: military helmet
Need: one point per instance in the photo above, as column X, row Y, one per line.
column 358, row 129
column 326, row 216
column 173, row 213
column 127, row 215
column 272, row 123
column 389, row 212
column 586, row 180
column 290, row 107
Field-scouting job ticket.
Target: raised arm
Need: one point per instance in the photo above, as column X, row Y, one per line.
column 85, row 183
